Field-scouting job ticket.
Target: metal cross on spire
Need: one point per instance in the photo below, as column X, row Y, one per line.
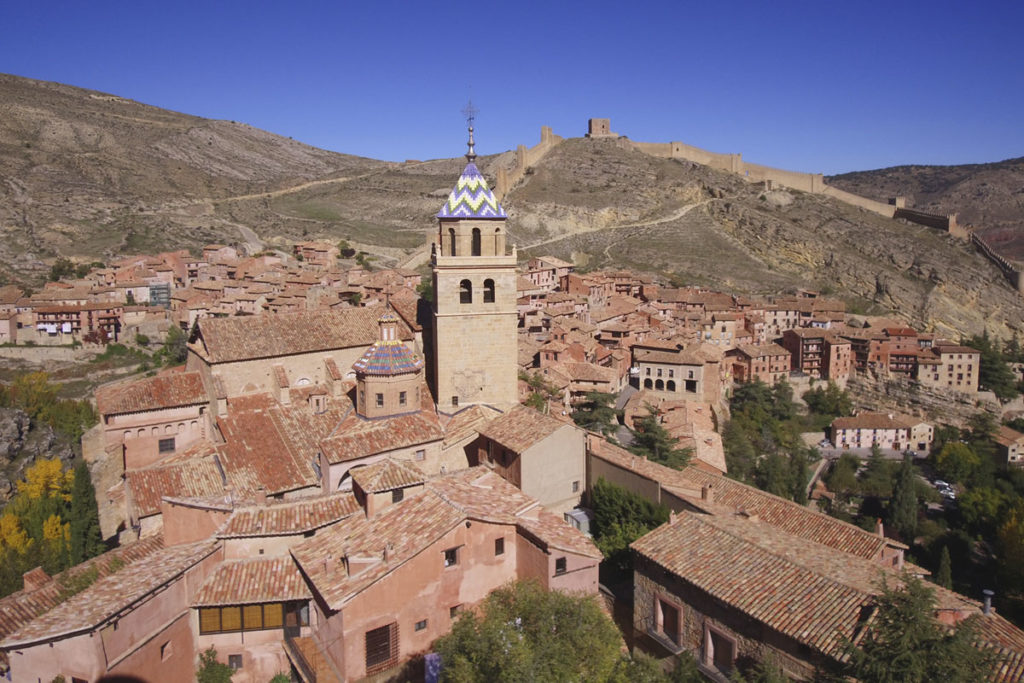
column 470, row 113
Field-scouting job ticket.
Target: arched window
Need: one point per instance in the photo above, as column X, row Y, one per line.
column 488, row 291
column 451, row 241
column 465, row 292
column 659, row 385
column 476, row 242
column 670, row 385
column 648, row 383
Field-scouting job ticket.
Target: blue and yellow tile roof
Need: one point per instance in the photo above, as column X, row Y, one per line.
column 471, row 198
column 390, row 357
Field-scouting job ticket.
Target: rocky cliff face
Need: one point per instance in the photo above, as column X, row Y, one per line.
column 21, row 444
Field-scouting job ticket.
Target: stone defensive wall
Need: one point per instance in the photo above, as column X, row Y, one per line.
column 734, row 163
column 524, row 158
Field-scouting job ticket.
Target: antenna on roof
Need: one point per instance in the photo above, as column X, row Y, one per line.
column 470, row 113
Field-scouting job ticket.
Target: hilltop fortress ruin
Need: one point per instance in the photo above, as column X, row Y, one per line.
column 771, row 177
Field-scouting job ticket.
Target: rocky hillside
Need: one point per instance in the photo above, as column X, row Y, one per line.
column 988, row 196
column 93, row 176
column 90, row 174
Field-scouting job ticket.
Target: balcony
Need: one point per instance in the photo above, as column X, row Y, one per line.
column 309, row 661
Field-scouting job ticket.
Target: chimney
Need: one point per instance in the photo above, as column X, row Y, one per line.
column 35, row 579
column 987, row 609
column 707, row 493
column 672, row 517
column 261, row 496
column 879, row 527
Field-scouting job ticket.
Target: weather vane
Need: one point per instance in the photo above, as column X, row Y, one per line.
column 470, row 113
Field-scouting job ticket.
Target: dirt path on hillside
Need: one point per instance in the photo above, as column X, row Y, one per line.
column 674, row 216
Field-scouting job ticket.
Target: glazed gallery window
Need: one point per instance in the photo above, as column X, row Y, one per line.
column 166, row 445
column 261, row 617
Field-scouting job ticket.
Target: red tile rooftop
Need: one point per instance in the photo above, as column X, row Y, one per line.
column 253, row 580
column 111, row 594
column 152, row 393
column 386, row 475
column 22, row 607
column 223, row 340
column 521, row 428
column 290, row 517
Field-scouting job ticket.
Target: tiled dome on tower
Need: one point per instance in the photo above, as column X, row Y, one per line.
column 388, row 375
column 471, row 198
column 389, row 355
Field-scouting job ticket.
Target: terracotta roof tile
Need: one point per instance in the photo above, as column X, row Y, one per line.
column 290, row 517
column 265, row 336
column 152, row 393
column 111, row 594
column 253, row 580
column 20, row 608
column 520, row 428
column 196, row 476
column 386, row 475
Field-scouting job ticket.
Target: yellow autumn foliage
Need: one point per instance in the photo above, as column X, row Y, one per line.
column 47, row 478
column 12, row 536
column 55, row 530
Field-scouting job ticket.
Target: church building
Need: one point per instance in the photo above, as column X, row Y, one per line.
column 474, row 316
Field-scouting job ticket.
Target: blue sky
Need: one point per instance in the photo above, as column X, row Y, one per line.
column 811, row 86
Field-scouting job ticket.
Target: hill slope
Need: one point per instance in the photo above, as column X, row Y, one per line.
column 79, row 166
column 93, row 176
column 988, row 196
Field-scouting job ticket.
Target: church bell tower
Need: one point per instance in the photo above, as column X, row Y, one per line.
column 475, row 357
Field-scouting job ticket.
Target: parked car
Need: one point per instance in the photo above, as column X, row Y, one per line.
column 939, row 484
column 948, row 494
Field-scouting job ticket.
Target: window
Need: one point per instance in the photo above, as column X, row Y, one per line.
column 559, row 566
column 397, row 495
column 381, row 648
column 476, row 242
column 576, row 486
column 380, row 400
column 451, row 557
column 166, row 445
column 488, row 291
column 667, row 616
column 499, row 546
column 234, row 618
column 235, row 662
column 455, row 401
column 421, row 454
column 465, row 292
column 451, row 241
column 402, row 398
column 420, row 625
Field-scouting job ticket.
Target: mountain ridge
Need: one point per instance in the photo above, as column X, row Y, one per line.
column 93, row 176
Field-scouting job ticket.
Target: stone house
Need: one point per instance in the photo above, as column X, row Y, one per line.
column 886, row 430
column 679, row 373
column 542, row 456
column 1009, row 447
column 767, row 363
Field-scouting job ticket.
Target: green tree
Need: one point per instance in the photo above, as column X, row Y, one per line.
column 842, row 479
column 828, row 403
column 621, row 517
column 1010, row 542
column 774, row 476
column 944, row 577
column 426, row 288
column 956, row 461
column 175, row 347
column 877, row 479
column 597, row 413
column 61, row 268
column 86, row 540
column 653, row 441
column 523, row 632
column 983, row 507
column 904, row 504
column 799, row 476
column 994, row 374
column 906, row 644
column 212, row 671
